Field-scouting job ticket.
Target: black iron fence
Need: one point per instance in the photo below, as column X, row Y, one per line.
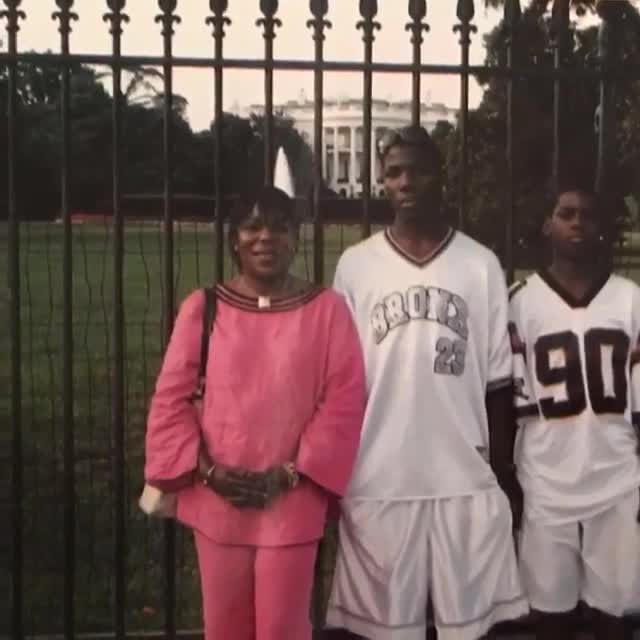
column 82, row 350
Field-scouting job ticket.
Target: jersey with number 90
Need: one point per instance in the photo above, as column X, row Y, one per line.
column 435, row 341
column 576, row 387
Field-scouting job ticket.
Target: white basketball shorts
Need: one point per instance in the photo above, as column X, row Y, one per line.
column 393, row 555
column 596, row 561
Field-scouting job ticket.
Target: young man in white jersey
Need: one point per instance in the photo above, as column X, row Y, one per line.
column 425, row 515
column 574, row 329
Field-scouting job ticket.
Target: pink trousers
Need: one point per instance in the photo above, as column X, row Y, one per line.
column 256, row 593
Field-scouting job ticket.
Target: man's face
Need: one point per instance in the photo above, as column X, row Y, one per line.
column 573, row 227
column 412, row 184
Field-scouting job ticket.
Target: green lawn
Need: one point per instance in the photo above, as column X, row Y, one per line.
column 42, row 305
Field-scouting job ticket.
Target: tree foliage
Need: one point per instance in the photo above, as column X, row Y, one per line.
column 39, row 143
column 533, row 125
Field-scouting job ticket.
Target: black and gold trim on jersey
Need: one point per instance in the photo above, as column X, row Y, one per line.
column 284, row 303
column 419, row 262
column 573, row 302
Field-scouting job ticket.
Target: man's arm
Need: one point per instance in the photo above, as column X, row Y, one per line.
column 499, row 396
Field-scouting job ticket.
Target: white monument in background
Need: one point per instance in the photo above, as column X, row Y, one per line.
column 342, row 136
column 282, row 176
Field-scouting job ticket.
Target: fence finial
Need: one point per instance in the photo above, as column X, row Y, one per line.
column 368, row 11
column 218, row 20
column 319, row 9
column 269, row 9
column 13, row 15
column 417, row 9
column 115, row 16
column 167, row 17
column 218, row 6
column 417, row 12
column 65, row 15
column 465, row 12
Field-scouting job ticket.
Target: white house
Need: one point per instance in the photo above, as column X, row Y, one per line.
column 342, row 139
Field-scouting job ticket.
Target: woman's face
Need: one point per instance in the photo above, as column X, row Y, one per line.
column 266, row 245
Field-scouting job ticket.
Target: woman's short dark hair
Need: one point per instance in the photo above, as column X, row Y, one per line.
column 274, row 205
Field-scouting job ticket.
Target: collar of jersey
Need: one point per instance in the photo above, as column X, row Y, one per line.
column 393, row 243
column 573, row 302
column 250, row 303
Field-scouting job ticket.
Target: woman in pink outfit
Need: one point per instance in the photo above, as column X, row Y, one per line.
column 278, row 435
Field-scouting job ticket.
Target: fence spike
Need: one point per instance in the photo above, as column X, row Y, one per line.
column 417, row 10
column 465, row 11
column 13, row 15
column 512, row 14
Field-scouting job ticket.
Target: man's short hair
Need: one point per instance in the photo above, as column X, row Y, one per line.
column 411, row 136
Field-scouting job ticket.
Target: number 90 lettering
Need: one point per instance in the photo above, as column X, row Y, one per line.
column 602, row 399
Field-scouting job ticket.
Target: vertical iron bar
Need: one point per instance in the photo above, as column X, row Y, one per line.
column 116, row 17
column 168, row 19
column 269, row 23
column 12, row 15
column 559, row 34
column 608, row 36
column 368, row 11
column 465, row 12
column 319, row 10
column 218, row 21
column 417, row 11
column 64, row 15
column 512, row 16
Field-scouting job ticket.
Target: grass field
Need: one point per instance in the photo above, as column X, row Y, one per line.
column 41, row 322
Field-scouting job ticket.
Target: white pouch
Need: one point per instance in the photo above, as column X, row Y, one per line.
column 157, row 504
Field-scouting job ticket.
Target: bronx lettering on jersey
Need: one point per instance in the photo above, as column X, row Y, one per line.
column 427, row 303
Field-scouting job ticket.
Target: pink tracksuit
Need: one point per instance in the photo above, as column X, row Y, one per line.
column 285, row 383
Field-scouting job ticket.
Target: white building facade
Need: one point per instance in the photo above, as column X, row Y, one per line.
column 342, row 141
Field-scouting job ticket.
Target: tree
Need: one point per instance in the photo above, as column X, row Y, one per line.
column 142, row 169
column 243, row 152
column 533, row 126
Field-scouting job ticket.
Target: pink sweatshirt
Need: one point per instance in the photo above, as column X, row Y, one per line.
column 283, row 384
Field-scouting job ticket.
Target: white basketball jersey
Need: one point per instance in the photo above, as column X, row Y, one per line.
column 435, row 341
column 576, row 387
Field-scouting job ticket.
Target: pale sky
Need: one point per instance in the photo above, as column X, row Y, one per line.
column 142, row 36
